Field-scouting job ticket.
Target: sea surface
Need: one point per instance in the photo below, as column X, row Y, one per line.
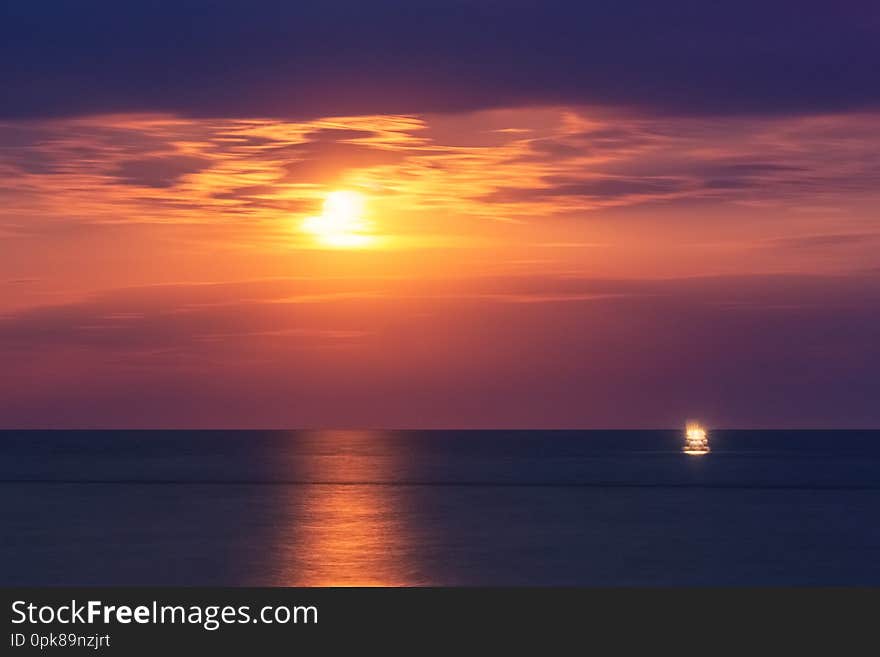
column 597, row 508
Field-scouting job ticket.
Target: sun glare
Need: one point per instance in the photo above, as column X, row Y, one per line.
column 342, row 223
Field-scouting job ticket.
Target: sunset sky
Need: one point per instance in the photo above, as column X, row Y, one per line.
column 469, row 213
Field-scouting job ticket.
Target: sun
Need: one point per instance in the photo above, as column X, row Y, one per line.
column 342, row 222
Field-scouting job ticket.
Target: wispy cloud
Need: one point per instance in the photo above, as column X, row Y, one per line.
column 823, row 241
column 495, row 351
column 260, row 174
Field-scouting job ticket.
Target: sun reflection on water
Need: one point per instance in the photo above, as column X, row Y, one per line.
column 351, row 528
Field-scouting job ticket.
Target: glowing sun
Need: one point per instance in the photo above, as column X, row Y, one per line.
column 342, row 223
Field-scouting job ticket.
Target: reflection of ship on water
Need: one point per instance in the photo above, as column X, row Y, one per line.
column 696, row 441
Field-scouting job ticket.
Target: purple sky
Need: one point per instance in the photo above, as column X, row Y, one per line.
column 552, row 214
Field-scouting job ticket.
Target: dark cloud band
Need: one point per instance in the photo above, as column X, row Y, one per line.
column 265, row 57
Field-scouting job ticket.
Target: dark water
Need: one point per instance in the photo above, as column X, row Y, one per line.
column 448, row 508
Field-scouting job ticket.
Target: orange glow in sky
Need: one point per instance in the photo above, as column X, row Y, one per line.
column 527, row 266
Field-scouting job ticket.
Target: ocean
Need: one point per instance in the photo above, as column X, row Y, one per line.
column 415, row 508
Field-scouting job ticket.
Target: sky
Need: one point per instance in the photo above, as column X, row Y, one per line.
column 458, row 214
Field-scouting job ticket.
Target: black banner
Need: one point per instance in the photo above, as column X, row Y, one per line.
column 136, row 621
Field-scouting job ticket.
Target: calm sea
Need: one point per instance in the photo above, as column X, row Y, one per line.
column 439, row 508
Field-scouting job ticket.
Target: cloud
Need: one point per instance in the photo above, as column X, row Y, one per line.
column 312, row 58
column 337, row 134
column 749, row 169
column 326, row 160
column 600, row 188
column 176, row 315
column 745, row 350
column 83, row 169
column 158, row 172
column 176, row 318
column 521, row 165
column 823, row 241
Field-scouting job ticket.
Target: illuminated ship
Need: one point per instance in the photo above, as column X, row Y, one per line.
column 696, row 441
